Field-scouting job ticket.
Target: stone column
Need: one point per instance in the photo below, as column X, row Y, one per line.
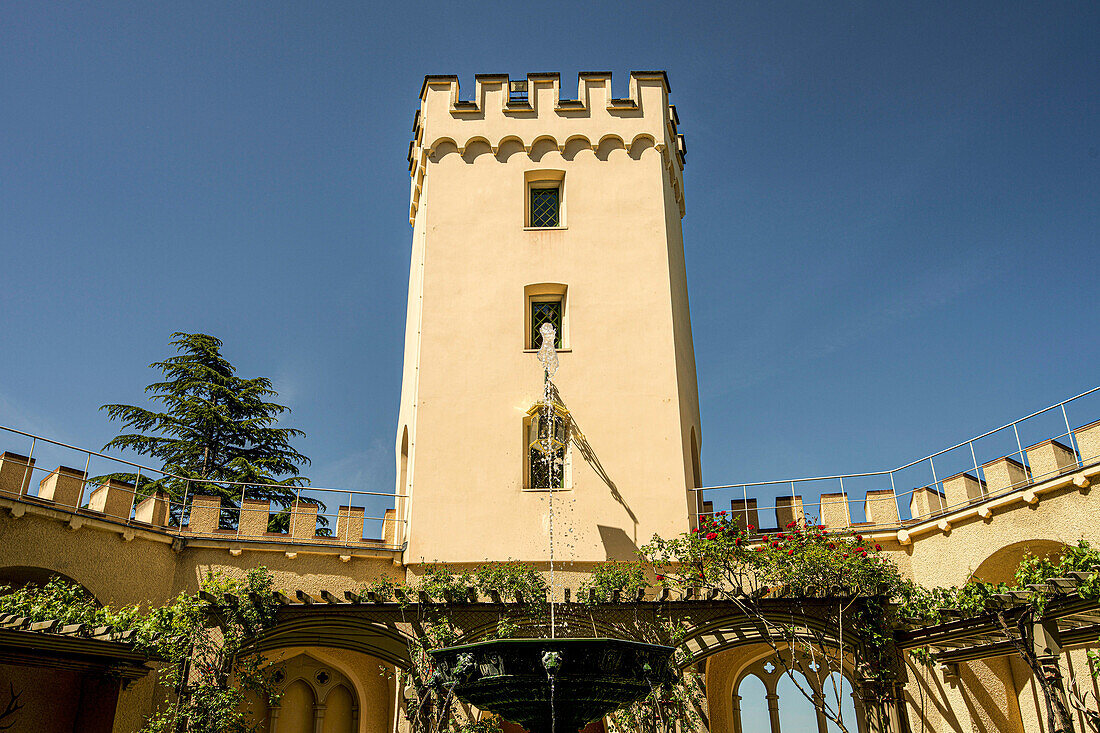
column 318, row 718
column 896, row 713
column 736, row 714
column 274, row 720
column 863, row 711
column 866, row 701
column 773, row 711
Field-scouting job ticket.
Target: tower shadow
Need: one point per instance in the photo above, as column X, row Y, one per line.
column 576, row 435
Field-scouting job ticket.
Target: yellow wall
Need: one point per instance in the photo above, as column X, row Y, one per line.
column 627, row 372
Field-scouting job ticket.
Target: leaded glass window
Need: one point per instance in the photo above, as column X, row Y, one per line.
column 545, row 311
column 544, row 207
column 547, row 451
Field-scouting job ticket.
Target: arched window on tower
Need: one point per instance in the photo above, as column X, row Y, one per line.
column 546, row 431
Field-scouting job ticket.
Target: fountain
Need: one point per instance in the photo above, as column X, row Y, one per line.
column 544, row 683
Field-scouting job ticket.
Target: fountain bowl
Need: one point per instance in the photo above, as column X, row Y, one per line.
column 591, row 678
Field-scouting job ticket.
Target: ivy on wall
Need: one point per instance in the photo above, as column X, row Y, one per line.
column 199, row 640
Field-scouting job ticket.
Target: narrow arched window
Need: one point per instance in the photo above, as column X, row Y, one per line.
column 546, row 430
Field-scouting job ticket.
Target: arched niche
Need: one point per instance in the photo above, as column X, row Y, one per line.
column 1000, row 567
column 341, row 712
column 20, row 576
column 296, row 708
column 314, row 696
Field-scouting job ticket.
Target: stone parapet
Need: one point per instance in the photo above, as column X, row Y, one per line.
column 531, row 110
column 962, row 488
column 15, row 473
column 789, row 509
column 1050, row 458
column 1088, row 442
column 389, row 528
column 303, row 520
column 205, row 512
column 744, row 513
column 496, row 113
column 153, row 510
column 1005, row 473
column 881, row 507
column 925, row 502
column 254, row 518
column 113, row 498
column 834, row 511
column 349, row 523
column 64, row 486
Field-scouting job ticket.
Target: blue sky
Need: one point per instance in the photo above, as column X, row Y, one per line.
column 891, row 231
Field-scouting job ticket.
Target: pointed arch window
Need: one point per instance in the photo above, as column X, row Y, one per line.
column 546, row 431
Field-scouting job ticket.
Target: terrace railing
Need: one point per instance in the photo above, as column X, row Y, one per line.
column 986, row 466
column 194, row 506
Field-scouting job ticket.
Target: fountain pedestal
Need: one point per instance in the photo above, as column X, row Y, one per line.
column 587, row 678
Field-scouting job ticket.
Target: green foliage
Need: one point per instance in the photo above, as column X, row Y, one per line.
column 199, row 643
column 607, row 578
column 798, row 560
column 927, row 605
column 439, row 580
column 510, row 579
column 1080, row 558
column 216, row 427
column 384, row 588
column 844, row 581
column 670, row 707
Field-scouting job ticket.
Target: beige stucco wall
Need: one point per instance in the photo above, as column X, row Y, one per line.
column 1064, row 517
column 626, row 373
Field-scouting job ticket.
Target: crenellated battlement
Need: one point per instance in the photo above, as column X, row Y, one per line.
column 531, row 111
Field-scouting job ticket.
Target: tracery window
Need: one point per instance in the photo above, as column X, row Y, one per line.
column 547, row 439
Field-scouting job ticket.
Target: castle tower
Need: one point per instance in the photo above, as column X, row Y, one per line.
column 528, row 208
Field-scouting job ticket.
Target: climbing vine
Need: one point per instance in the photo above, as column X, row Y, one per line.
column 614, row 579
column 1017, row 620
column 842, row 581
column 198, row 639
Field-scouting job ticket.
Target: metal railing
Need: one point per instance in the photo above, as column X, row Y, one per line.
column 891, row 479
column 240, row 512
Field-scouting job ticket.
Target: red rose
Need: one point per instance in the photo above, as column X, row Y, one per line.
column 775, row 544
column 711, row 535
column 701, row 575
column 832, row 545
column 859, row 538
column 737, row 541
column 790, row 552
column 791, row 524
column 695, row 530
column 751, row 527
column 660, row 577
column 878, row 547
column 780, row 535
column 759, row 549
